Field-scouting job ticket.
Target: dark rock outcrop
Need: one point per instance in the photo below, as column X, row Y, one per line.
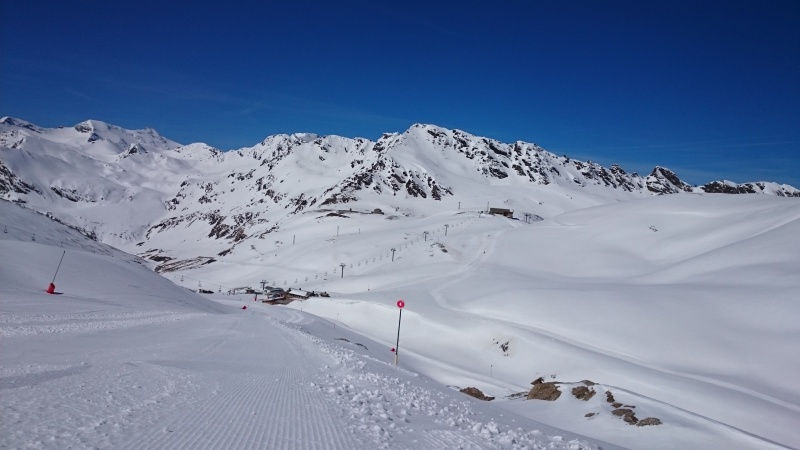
column 475, row 392
column 648, row 421
column 542, row 390
column 627, row 415
column 664, row 181
column 583, row 393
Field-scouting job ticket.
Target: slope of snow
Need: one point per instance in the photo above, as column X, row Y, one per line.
column 124, row 359
column 148, row 364
column 682, row 305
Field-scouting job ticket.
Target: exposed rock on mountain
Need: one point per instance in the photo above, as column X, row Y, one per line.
column 664, row 181
column 727, row 187
column 131, row 186
column 9, row 182
column 542, row 390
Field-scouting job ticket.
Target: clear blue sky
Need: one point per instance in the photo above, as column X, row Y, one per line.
column 710, row 89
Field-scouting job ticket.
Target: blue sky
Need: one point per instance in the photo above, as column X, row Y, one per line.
column 710, row 89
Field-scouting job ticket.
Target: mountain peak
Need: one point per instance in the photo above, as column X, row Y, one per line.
column 92, row 126
column 664, row 181
column 429, row 128
column 14, row 122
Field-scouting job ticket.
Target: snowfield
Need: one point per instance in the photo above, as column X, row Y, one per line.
column 683, row 307
column 125, row 359
column 649, row 313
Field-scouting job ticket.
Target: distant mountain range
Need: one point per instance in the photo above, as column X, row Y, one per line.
column 125, row 187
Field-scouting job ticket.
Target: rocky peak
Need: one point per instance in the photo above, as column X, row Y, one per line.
column 84, row 127
column 728, row 187
column 664, row 181
column 93, row 126
column 14, row 122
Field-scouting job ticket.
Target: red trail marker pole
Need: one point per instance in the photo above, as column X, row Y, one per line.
column 51, row 289
column 400, row 305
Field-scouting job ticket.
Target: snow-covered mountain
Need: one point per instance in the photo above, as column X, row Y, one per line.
column 677, row 307
column 136, row 188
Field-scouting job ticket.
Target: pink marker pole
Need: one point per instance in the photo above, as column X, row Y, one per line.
column 400, row 305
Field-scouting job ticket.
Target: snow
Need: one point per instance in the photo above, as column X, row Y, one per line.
column 106, row 366
column 126, row 359
column 683, row 306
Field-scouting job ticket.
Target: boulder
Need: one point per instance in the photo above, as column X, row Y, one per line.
column 583, row 393
column 475, row 392
column 627, row 415
column 544, row 391
column 648, row 421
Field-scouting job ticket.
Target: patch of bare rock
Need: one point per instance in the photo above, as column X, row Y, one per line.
column 585, row 390
column 583, row 393
column 477, row 393
column 544, row 390
column 627, row 413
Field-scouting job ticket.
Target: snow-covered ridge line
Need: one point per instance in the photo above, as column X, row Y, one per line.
column 124, row 186
column 697, row 292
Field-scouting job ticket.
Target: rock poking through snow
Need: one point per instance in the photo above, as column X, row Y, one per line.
column 583, row 393
column 477, row 393
column 542, row 390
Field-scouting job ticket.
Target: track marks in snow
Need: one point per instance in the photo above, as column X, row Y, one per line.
column 235, row 381
column 15, row 326
column 257, row 399
column 382, row 404
column 36, row 375
column 87, row 414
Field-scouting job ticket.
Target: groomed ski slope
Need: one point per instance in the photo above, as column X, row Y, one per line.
column 130, row 361
column 683, row 306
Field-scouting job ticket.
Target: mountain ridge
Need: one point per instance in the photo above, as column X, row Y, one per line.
column 128, row 186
